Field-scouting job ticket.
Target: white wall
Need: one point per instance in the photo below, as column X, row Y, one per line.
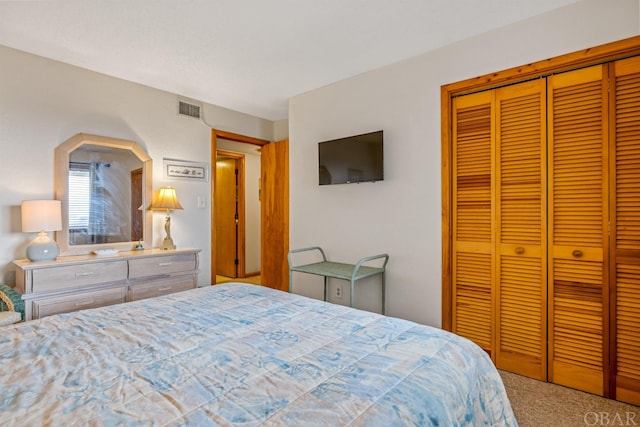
column 401, row 215
column 280, row 130
column 43, row 103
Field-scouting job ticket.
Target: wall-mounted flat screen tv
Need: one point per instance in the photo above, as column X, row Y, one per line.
column 351, row 160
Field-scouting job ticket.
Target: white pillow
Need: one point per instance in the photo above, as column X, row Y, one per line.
column 9, row 317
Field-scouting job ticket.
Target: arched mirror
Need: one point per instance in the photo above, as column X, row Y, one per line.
column 105, row 187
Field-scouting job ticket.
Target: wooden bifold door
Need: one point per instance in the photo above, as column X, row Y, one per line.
column 578, row 217
column 543, row 226
column 499, row 225
column 624, row 217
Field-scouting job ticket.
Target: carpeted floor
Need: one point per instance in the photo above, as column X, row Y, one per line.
column 540, row 404
column 251, row 279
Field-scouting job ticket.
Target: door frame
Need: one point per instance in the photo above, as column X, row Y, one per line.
column 241, row 209
column 137, row 223
column 230, row 136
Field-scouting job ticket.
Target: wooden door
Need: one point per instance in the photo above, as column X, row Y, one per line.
column 275, row 214
column 520, row 187
column 136, row 205
column 226, row 214
column 578, row 220
column 473, row 227
column 625, row 229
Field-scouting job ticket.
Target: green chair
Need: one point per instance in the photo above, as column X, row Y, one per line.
column 11, row 306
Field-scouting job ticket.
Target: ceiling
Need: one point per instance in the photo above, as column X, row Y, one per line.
column 248, row 55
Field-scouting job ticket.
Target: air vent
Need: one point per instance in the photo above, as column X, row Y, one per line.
column 187, row 109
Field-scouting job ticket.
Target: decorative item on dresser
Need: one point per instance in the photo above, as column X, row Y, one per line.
column 86, row 281
column 40, row 216
column 167, row 200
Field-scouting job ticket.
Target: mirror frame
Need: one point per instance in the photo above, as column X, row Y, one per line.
column 62, row 153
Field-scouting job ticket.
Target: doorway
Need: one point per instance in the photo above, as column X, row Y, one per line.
column 274, row 213
column 235, row 208
column 229, row 214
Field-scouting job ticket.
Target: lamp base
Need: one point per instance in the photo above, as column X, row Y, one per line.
column 167, row 243
column 42, row 248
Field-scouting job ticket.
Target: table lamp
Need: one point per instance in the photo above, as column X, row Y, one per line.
column 167, row 199
column 42, row 216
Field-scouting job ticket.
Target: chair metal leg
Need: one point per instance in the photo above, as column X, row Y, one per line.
column 325, row 287
column 351, row 294
column 383, row 294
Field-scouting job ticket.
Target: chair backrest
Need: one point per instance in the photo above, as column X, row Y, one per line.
column 10, row 300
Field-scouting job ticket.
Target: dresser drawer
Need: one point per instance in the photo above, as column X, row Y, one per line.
column 155, row 288
column 74, row 276
column 160, row 265
column 48, row 306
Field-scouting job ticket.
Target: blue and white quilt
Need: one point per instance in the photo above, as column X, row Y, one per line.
column 243, row 355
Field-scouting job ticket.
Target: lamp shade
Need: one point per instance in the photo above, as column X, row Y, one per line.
column 167, row 199
column 41, row 215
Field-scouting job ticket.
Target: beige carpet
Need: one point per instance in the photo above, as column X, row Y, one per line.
column 540, row 404
column 251, row 279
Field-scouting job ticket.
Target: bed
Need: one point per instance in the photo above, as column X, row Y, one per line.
column 243, row 355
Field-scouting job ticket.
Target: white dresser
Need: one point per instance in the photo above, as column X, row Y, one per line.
column 86, row 281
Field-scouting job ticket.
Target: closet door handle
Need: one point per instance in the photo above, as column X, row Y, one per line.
column 577, row 253
column 519, row 250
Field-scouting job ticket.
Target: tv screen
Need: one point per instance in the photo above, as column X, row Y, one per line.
column 353, row 159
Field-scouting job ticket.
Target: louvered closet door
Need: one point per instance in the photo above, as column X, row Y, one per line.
column 577, row 199
column 625, row 227
column 472, row 255
column 521, row 293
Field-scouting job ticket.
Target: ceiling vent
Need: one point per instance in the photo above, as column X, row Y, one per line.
column 190, row 110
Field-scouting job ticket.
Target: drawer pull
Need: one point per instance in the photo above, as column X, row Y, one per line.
column 80, row 304
column 164, row 264
column 84, row 274
column 577, row 253
column 519, row 250
column 167, row 288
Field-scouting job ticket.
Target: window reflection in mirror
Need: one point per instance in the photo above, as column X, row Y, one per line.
column 105, row 194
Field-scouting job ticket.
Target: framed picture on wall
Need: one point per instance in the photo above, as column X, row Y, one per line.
column 185, row 169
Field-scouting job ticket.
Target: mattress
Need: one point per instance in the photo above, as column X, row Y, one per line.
column 243, row 355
